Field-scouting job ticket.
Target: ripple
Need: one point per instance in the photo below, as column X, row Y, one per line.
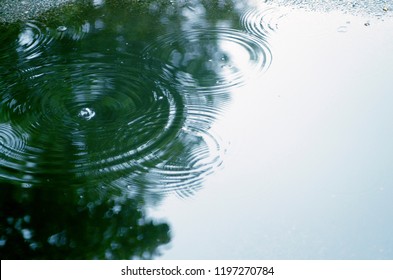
column 12, row 149
column 212, row 60
column 119, row 118
column 33, row 39
column 61, row 28
column 86, row 113
column 106, row 117
column 261, row 22
column 72, row 32
column 183, row 165
column 12, row 141
column 117, row 123
column 192, row 165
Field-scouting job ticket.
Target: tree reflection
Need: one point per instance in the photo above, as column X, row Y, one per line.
column 97, row 129
column 52, row 222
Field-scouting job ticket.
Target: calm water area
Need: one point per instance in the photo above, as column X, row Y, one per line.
column 196, row 130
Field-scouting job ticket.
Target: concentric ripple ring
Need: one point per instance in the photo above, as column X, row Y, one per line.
column 33, row 40
column 121, row 118
column 261, row 22
column 103, row 119
column 212, row 60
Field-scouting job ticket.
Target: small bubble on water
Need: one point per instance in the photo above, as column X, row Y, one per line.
column 61, row 28
column 86, row 113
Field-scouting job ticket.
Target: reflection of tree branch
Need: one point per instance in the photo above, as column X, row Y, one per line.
column 63, row 73
column 149, row 138
column 43, row 223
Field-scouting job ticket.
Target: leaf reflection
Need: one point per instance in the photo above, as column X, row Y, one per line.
column 57, row 223
column 106, row 108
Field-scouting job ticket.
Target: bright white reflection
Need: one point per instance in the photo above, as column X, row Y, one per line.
column 98, row 3
column 237, row 57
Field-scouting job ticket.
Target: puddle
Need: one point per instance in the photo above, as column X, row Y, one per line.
column 197, row 130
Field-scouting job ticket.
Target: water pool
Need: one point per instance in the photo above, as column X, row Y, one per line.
column 197, row 130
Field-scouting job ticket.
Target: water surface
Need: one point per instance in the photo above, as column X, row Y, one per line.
column 196, row 130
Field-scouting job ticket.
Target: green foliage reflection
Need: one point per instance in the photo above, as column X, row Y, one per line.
column 55, row 223
column 95, row 129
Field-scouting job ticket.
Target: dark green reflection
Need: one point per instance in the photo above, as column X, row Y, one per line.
column 82, row 96
column 57, row 223
column 106, row 107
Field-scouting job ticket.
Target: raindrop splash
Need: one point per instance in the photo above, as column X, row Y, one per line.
column 61, row 28
column 87, row 114
column 119, row 115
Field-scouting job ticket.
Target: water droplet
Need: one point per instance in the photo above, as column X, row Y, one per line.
column 87, row 114
column 61, row 28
